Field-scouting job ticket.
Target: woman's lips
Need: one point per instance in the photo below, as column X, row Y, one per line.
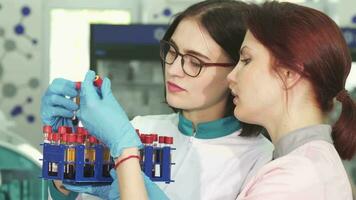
column 236, row 97
column 173, row 87
column 235, row 100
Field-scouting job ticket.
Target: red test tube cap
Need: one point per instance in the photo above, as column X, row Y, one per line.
column 64, row 137
column 80, row 138
column 78, row 85
column 47, row 129
column 155, row 137
column 92, row 139
column 168, row 140
column 149, row 139
column 82, row 131
column 62, row 130
column 55, row 137
column 161, row 139
column 98, row 81
column 71, row 138
column 69, row 129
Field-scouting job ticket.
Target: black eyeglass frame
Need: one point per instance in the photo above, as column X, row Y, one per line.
column 201, row 63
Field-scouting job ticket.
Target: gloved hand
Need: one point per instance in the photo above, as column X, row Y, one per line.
column 56, row 109
column 153, row 191
column 104, row 118
column 100, row 190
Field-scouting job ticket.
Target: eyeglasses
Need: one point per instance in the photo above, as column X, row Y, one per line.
column 191, row 65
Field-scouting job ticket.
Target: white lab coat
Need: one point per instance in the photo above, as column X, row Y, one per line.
column 207, row 168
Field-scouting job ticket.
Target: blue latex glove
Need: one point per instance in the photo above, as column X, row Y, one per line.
column 56, row 109
column 153, row 191
column 104, row 118
column 100, row 190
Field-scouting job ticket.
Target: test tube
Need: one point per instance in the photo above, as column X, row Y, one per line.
column 142, row 151
column 158, row 157
column 69, row 172
column 48, row 139
column 106, row 161
column 53, row 166
column 89, row 156
column 98, row 81
column 169, row 142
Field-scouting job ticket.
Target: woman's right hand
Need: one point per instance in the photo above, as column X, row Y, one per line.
column 56, row 108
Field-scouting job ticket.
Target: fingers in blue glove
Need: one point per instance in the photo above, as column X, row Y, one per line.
column 61, row 112
column 88, row 91
column 106, row 91
column 62, row 87
column 60, row 101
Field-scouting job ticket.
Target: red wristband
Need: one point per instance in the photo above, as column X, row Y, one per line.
column 124, row 159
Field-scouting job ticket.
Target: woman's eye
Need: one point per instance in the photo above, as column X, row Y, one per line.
column 195, row 64
column 245, row 61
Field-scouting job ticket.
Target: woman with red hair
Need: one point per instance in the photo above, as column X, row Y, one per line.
column 293, row 63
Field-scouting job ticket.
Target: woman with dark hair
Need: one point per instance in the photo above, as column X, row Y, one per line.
column 215, row 153
column 293, row 63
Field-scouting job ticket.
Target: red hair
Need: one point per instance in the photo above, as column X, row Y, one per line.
column 299, row 36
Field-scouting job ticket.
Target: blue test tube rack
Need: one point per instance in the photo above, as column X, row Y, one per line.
column 55, row 153
column 148, row 164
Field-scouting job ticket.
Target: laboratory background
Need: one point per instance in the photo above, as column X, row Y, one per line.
column 44, row 39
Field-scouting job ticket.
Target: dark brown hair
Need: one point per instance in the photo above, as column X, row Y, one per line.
column 223, row 19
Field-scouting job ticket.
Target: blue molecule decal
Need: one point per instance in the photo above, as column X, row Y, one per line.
column 26, row 11
column 30, row 118
column 16, row 111
column 29, row 99
column 19, row 29
column 167, row 12
column 354, row 19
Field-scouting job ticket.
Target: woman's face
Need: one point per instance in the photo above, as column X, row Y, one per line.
column 258, row 90
column 210, row 86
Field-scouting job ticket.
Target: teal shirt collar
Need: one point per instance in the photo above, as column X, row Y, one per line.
column 209, row 130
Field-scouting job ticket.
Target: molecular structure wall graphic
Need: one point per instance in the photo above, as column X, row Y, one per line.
column 9, row 90
column 167, row 12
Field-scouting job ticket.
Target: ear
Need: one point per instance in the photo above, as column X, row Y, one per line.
column 290, row 77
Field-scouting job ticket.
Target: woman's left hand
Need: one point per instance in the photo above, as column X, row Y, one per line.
column 104, row 118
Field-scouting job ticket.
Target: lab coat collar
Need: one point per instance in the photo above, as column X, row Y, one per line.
column 301, row 136
column 209, row 130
